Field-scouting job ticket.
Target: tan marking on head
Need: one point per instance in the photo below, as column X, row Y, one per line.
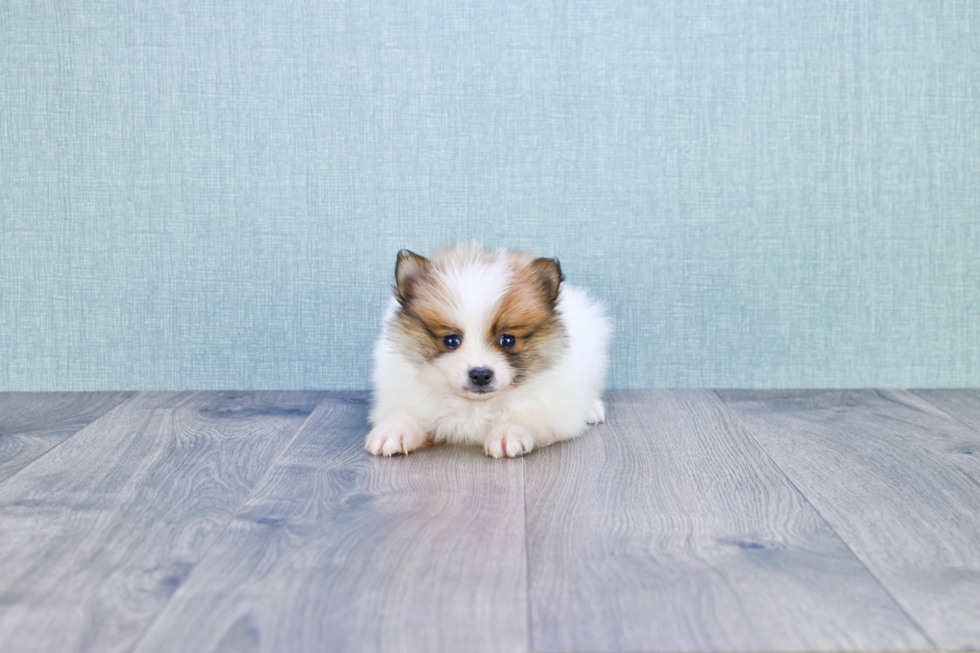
column 426, row 305
column 425, row 287
column 527, row 312
column 421, row 326
column 521, row 312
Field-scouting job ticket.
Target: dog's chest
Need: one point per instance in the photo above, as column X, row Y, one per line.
column 466, row 423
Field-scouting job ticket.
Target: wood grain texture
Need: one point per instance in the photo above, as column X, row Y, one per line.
column 899, row 480
column 963, row 405
column 340, row 551
column 96, row 535
column 668, row 529
column 31, row 423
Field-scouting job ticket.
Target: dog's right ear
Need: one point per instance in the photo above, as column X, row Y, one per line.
column 409, row 269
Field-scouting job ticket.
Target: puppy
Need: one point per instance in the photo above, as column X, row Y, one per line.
column 486, row 347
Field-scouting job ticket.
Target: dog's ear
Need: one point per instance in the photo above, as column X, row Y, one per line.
column 546, row 273
column 409, row 269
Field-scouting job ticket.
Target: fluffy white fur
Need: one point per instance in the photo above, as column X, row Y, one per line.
column 419, row 403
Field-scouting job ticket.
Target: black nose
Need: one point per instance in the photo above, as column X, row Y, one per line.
column 480, row 376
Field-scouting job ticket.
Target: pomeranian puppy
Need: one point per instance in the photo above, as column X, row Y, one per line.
column 486, row 347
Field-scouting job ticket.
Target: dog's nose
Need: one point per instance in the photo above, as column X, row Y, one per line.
column 480, row 376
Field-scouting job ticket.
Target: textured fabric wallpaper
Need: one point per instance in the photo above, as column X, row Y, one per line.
column 200, row 194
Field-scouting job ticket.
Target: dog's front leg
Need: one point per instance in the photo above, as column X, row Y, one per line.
column 508, row 440
column 396, row 434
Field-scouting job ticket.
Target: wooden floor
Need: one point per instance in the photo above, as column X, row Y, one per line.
column 742, row 521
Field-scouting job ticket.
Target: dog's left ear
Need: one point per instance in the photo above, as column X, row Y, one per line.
column 547, row 274
column 409, row 269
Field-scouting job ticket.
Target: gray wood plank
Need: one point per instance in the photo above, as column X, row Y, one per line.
column 963, row 404
column 899, row 480
column 96, row 535
column 669, row 529
column 340, row 551
column 31, row 423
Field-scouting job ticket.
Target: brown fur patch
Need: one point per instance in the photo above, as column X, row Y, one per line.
column 527, row 312
column 423, row 319
column 423, row 323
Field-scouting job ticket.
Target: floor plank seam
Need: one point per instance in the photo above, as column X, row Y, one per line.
column 163, row 608
column 41, row 457
column 527, row 561
column 944, row 412
column 887, row 591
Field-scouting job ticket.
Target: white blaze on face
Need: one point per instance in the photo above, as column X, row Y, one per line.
column 477, row 287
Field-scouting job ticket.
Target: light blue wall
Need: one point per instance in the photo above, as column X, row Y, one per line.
column 210, row 195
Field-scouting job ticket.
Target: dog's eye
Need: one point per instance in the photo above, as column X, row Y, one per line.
column 452, row 341
column 507, row 341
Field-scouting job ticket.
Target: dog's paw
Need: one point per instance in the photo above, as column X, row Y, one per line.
column 508, row 441
column 597, row 413
column 390, row 438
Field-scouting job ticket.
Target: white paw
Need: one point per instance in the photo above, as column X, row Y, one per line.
column 597, row 413
column 394, row 437
column 508, row 441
